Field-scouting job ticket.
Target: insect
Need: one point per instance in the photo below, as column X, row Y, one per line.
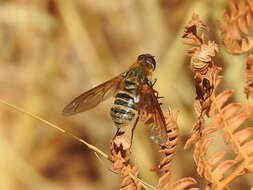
column 134, row 97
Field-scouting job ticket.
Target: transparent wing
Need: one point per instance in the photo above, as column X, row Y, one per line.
column 93, row 97
column 149, row 106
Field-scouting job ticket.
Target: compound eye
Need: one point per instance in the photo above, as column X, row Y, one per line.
column 151, row 61
column 141, row 57
column 148, row 60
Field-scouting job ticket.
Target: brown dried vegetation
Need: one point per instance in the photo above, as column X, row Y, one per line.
column 120, row 157
column 55, row 49
column 169, row 150
column 121, row 154
column 236, row 30
column 229, row 118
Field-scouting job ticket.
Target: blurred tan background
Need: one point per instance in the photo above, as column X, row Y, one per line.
column 53, row 50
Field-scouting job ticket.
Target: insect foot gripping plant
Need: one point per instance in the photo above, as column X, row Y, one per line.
column 236, row 30
column 227, row 122
column 120, row 157
column 135, row 96
column 120, row 151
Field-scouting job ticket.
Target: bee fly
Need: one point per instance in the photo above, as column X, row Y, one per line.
column 134, row 97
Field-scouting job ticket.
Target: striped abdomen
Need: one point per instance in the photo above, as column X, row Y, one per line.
column 124, row 108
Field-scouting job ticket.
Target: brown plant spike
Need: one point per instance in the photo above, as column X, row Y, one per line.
column 204, row 69
column 169, row 149
column 229, row 118
column 120, row 157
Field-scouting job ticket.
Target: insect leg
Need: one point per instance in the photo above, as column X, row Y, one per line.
column 132, row 132
column 153, row 83
column 118, row 133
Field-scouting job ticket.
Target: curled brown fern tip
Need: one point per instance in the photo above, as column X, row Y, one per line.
column 236, row 33
column 237, row 26
column 204, row 68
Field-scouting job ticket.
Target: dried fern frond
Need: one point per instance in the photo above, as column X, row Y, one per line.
column 229, row 118
column 211, row 168
column 169, row 149
column 184, row 184
column 236, row 33
column 205, row 71
column 120, row 157
column 236, row 30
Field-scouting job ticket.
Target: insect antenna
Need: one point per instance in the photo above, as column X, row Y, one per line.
column 118, row 132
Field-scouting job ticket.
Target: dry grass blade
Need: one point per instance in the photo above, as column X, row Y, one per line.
column 93, row 148
column 120, row 153
column 143, row 183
